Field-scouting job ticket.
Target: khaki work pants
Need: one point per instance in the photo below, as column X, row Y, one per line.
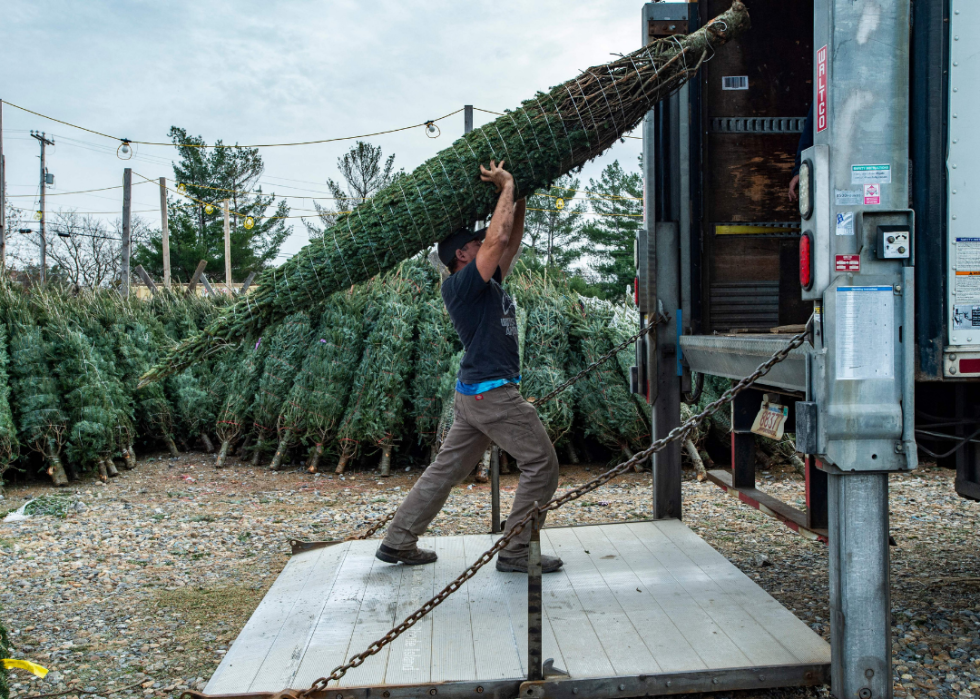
column 501, row 416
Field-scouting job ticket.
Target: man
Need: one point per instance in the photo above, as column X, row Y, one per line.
column 488, row 404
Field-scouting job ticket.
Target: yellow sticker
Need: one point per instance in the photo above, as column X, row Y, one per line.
column 32, row 668
column 559, row 203
column 249, row 222
column 209, row 209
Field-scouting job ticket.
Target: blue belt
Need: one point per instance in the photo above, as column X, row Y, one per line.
column 474, row 389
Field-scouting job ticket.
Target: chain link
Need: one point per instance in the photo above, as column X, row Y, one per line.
column 679, row 432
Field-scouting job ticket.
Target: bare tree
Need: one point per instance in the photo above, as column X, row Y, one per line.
column 82, row 251
column 365, row 171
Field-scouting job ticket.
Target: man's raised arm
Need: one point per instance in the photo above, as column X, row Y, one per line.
column 497, row 241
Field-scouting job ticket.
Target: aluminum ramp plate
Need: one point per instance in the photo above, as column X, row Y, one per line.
column 639, row 608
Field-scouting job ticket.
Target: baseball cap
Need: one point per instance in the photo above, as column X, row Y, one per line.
column 457, row 240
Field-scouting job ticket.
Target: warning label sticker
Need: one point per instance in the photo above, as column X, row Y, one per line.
column 967, row 286
column 865, row 332
column 966, row 317
column 872, row 194
column 847, row 197
column 847, row 263
column 871, row 174
column 845, row 223
column 968, row 254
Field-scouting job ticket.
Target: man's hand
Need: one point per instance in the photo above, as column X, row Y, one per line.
column 792, row 187
column 497, row 175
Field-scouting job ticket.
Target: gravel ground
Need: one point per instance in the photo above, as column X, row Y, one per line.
column 141, row 589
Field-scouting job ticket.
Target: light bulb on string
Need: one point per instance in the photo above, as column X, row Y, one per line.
column 38, row 215
column 559, row 203
column 431, row 130
column 208, row 209
column 125, row 150
column 182, row 188
column 249, row 223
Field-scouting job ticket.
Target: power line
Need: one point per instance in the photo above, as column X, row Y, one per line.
column 128, row 141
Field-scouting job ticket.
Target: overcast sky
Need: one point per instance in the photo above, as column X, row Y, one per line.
column 261, row 72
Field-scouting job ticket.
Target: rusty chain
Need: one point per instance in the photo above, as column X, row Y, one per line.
column 679, row 432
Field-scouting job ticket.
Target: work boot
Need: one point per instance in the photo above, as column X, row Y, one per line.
column 549, row 564
column 410, row 557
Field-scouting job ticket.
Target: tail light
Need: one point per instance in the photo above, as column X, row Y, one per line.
column 806, row 261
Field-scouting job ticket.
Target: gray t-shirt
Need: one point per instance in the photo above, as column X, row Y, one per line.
column 484, row 316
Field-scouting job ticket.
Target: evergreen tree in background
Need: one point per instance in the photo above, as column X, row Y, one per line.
column 553, row 234
column 319, row 394
column 197, row 235
column 9, row 446
column 365, row 171
column 618, row 195
column 284, row 357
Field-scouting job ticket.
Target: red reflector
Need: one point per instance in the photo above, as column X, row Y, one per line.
column 806, row 261
column 636, row 290
column 969, row 366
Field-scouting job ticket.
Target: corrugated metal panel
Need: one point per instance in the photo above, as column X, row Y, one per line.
column 750, row 305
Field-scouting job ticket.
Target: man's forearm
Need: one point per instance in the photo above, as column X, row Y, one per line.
column 502, row 223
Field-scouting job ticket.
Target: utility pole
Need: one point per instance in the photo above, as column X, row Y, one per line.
column 3, row 197
column 467, row 127
column 165, row 228
column 44, row 141
column 227, row 247
column 126, row 231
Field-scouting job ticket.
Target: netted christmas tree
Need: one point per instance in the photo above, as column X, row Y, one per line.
column 376, row 407
column 318, row 398
column 436, row 344
column 94, row 430
column 234, row 414
column 283, row 361
column 546, row 352
column 605, row 408
column 546, row 137
column 9, row 445
column 41, row 423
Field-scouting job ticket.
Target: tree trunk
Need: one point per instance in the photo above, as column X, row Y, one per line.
column 572, row 454
column 483, row 468
column 638, row 467
column 315, row 460
column 257, row 455
column 103, row 473
column 342, row 463
column 433, row 452
column 385, row 466
column 110, row 467
column 207, row 442
column 695, row 459
column 125, row 460
column 220, row 461
column 55, row 468
column 280, row 451
column 504, row 462
column 130, row 456
column 171, row 447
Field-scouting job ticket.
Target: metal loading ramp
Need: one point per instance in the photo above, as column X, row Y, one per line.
column 639, row 608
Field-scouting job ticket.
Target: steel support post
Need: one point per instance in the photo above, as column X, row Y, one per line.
column 744, row 409
column 860, row 609
column 494, row 489
column 535, row 633
column 666, row 464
